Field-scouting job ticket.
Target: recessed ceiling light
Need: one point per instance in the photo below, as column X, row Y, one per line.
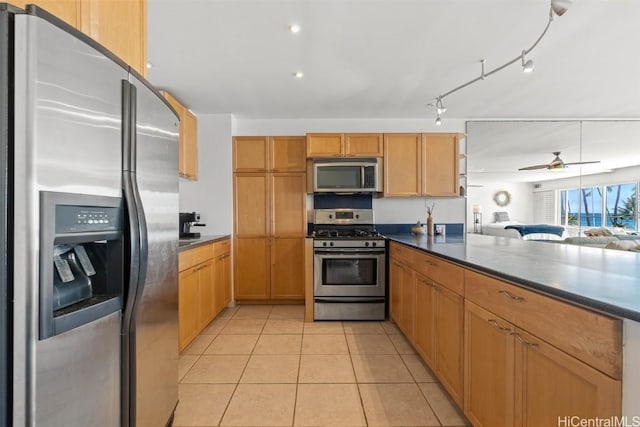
column 298, row 74
column 149, row 65
column 294, row 28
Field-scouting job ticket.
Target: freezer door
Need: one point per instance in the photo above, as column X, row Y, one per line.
column 68, row 124
column 154, row 331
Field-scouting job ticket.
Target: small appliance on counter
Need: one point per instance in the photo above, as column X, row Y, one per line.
column 188, row 220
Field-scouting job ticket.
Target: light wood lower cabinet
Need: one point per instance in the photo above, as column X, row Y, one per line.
column 287, row 268
column 189, row 288
column 516, row 379
column 494, row 365
column 489, row 369
column 204, row 288
column 251, row 268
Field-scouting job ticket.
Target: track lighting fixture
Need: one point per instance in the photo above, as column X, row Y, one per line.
column 558, row 8
column 527, row 67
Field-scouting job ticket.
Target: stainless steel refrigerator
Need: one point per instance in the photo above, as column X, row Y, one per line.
column 88, row 230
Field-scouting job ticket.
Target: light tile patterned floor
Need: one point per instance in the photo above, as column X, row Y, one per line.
column 263, row 366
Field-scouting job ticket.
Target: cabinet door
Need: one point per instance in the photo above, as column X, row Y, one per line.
column 407, row 297
column 251, row 204
column 425, row 303
column 288, row 204
column 250, row 154
column 287, row 268
column 188, row 153
column 187, row 306
column 551, row 385
column 67, row 10
column 206, row 294
column 363, row 144
column 489, row 369
column 251, row 271
column 325, row 144
column 226, row 279
column 402, row 164
column 449, row 339
column 395, row 281
column 121, row 26
column 288, row 153
column 440, row 162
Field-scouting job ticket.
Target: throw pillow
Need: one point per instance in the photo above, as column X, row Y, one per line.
column 501, row 216
column 600, row 231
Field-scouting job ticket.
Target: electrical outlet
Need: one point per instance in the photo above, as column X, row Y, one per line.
column 440, row 229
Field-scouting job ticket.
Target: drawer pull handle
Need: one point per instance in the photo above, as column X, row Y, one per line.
column 510, row 295
column 525, row 342
column 497, row 325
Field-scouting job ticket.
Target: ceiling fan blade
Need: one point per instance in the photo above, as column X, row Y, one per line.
column 582, row 163
column 530, row 168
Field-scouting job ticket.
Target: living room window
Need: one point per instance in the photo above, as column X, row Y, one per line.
column 610, row 205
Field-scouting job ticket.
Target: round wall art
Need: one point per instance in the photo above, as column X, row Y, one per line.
column 502, row 198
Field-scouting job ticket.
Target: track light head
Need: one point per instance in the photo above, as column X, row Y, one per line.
column 439, row 107
column 438, row 120
column 559, row 7
column 527, row 66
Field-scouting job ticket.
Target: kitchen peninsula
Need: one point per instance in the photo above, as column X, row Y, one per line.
column 529, row 324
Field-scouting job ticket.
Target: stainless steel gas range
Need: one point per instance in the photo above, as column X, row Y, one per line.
column 349, row 266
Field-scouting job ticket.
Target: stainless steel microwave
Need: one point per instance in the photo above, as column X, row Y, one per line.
column 345, row 175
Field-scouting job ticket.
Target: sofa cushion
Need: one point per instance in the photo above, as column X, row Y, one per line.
column 625, row 245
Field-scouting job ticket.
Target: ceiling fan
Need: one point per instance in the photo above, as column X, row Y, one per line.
column 556, row 164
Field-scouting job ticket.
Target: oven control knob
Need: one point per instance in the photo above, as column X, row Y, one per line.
column 330, row 216
column 373, row 244
column 331, row 244
column 357, row 216
column 366, row 243
column 324, row 243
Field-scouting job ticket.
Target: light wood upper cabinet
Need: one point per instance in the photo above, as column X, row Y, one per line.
column 421, row 165
column 120, row 26
column 288, row 204
column 188, row 143
column 188, row 166
column 250, row 153
column 344, row 145
column 440, row 164
column 251, row 204
column 363, row 145
column 288, row 153
column 325, row 144
column 67, row 10
column 269, row 153
column 287, row 268
column 402, row 164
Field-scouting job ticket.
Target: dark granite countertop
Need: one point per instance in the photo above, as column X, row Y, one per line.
column 602, row 279
column 186, row 244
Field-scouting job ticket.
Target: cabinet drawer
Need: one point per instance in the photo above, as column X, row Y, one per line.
column 194, row 256
column 402, row 254
column 591, row 337
column 442, row 272
column 222, row 247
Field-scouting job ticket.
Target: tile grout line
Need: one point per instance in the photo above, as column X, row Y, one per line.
column 357, row 384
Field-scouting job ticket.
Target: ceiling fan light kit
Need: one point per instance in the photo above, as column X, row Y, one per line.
column 558, row 8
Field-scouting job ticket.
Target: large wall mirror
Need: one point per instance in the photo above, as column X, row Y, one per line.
column 578, row 178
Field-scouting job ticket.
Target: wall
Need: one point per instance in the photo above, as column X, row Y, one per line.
column 520, row 208
column 212, row 194
column 387, row 210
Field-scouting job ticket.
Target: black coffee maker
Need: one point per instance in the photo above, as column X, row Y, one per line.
column 188, row 220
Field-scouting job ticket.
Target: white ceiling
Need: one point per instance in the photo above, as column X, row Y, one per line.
column 389, row 58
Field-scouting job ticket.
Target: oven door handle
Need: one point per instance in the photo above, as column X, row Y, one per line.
column 336, row 300
column 349, row 251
